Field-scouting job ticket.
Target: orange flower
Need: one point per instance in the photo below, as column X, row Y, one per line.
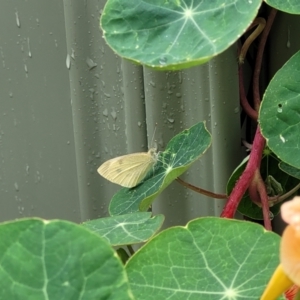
column 287, row 275
column 290, row 242
column 290, row 212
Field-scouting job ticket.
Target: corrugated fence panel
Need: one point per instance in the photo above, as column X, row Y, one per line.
column 37, row 154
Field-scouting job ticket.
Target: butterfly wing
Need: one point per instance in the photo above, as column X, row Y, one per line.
column 128, row 170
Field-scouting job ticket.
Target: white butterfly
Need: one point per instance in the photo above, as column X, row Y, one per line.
column 129, row 170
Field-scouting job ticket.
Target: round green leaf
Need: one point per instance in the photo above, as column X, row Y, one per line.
column 210, row 258
column 291, row 6
column 290, row 170
column 58, row 260
column 174, row 34
column 279, row 115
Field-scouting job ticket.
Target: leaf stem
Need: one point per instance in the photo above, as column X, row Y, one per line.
column 260, row 23
column 277, row 199
column 261, row 189
column 200, row 190
column 243, row 99
column 259, row 57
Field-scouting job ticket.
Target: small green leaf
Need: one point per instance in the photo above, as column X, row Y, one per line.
column 174, row 34
column 290, row 170
column 58, row 260
column 210, row 258
column 273, row 187
column 291, row 6
column 126, row 229
column 279, row 115
column 184, row 149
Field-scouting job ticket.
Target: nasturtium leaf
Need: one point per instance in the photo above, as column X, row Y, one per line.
column 291, row 6
column 126, row 229
column 183, row 149
column 279, row 115
column 210, row 258
column 290, row 170
column 269, row 166
column 174, row 34
column 58, row 260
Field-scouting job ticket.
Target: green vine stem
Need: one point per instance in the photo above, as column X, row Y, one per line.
column 260, row 23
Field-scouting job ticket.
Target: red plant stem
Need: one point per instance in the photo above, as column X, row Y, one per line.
column 252, row 189
column 259, row 57
column 244, row 181
column 261, row 188
column 243, row 99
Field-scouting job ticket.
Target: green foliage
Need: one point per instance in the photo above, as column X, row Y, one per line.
column 172, row 35
column 269, row 166
column 210, row 258
column 128, row 229
column 289, row 170
column 280, row 111
column 58, row 260
column 184, row 149
column 61, row 260
column 291, row 6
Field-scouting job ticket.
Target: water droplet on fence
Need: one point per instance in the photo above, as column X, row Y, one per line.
column 73, row 54
column 113, row 113
column 152, row 83
column 105, row 112
column 68, row 61
column 26, row 70
column 17, row 19
column 16, row 186
column 91, row 64
column 28, row 45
